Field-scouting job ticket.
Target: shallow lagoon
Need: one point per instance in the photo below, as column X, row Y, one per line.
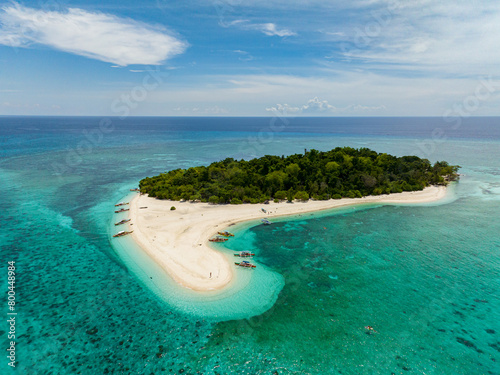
column 426, row 278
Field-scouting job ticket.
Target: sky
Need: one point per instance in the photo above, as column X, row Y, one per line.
column 250, row 58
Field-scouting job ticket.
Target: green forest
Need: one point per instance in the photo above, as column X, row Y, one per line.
column 341, row 172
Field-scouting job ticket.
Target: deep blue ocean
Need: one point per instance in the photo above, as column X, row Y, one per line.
column 426, row 277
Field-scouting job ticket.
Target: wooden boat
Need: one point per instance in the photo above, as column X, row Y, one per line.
column 123, row 221
column 245, row 264
column 122, row 233
column 121, row 210
column 266, row 222
column 226, row 234
column 121, row 204
column 218, row 239
column 244, row 254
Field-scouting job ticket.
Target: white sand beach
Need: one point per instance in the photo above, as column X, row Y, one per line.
column 178, row 240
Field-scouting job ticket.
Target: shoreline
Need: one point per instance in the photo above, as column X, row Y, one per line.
column 178, row 240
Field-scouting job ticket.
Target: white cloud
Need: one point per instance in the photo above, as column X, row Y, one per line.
column 354, row 93
column 269, row 29
column 317, row 106
column 95, row 35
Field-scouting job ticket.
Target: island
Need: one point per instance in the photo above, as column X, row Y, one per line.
column 340, row 173
column 177, row 212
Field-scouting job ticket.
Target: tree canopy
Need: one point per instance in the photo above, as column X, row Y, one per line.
column 341, row 172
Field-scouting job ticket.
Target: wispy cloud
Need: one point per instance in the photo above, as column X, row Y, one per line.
column 444, row 36
column 98, row 36
column 244, row 55
column 269, row 29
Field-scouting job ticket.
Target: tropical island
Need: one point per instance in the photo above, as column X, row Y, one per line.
column 343, row 172
column 176, row 233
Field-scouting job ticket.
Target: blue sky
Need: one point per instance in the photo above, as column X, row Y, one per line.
column 250, row 58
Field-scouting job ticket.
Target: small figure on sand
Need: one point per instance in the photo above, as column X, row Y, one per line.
column 210, row 274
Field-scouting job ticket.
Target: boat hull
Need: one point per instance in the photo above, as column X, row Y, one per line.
column 246, row 265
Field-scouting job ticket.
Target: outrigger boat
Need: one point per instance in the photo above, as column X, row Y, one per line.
column 266, row 222
column 123, row 221
column 245, row 264
column 226, row 234
column 122, row 233
column 121, row 204
column 244, row 254
column 122, row 210
column 218, row 239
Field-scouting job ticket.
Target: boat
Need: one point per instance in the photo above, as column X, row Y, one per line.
column 136, row 189
column 266, row 222
column 121, row 204
column 218, row 239
column 122, row 233
column 245, row 264
column 122, row 210
column 123, row 221
column 244, row 254
column 226, row 234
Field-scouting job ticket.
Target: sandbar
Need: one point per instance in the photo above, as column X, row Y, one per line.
column 177, row 240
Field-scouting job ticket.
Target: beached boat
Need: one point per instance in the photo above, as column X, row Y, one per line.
column 121, row 210
column 244, row 254
column 218, row 239
column 226, row 234
column 122, row 233
column 121, row 204
column 266, row 222
column 123, row 221
column 245, row 264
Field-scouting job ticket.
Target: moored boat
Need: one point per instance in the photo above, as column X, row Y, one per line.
column 266, row 222
column 226, row 234
column 245, row 264
column 122, row 210
column 121, row 204
column 123, row 221
column 244, row 254
column 122, row 233
column 136, row 189
column 218, row 239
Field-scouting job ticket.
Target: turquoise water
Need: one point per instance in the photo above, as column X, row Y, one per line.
column 426, row 278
